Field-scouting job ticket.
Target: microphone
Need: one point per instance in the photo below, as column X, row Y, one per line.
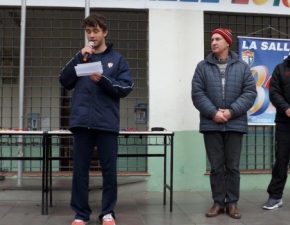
column 87, row 55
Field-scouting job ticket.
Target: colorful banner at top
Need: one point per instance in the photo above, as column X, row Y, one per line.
column 240, row 6
column 262, row 55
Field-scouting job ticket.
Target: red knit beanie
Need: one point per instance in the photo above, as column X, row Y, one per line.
column 226, row 33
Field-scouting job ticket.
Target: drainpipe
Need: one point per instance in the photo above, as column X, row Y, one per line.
column 21, row 89
column 87, row 13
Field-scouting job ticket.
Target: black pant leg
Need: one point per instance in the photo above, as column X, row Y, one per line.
column 280, row 169
column 233, row 148
column 84, row 143
column 107, row 145
column 214, row 146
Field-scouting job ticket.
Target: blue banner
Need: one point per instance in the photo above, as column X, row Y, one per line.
column 262, row 55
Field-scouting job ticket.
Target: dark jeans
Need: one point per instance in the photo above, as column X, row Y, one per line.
column 107, row 145
column 279, row 172
column 223, row 150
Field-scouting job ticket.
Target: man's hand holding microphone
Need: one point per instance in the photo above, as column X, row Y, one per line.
column 87, row 51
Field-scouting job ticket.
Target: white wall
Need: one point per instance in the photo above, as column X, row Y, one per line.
column 176, row 45
column 79, row 3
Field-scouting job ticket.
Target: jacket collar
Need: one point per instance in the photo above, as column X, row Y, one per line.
column 232, row 55
column 287, row 60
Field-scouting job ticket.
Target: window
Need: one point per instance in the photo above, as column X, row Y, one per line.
column 53, row 37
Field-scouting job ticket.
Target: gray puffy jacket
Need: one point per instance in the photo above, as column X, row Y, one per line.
column 240, row 93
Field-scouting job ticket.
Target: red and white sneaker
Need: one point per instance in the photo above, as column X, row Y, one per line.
column 79, row 222
column 108, row 220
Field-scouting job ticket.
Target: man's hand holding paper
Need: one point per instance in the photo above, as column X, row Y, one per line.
column 96, row 77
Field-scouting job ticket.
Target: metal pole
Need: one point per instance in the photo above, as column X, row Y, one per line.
column 21, row 88
column 87, row 13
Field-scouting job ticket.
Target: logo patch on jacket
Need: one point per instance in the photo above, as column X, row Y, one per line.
column 287, row 74
column 110, row 64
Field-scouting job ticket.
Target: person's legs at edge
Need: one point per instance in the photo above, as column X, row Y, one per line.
column 107, row 146
column 233, row 148
column 215, row 151
column 279, row 172
column 82, row 155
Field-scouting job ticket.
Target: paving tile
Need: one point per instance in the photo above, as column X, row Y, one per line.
column 198, row 218
column 128, row 219
column 193, row 201
column 266, row 216
column 201, row 208
column 150, row 201
column 4, row 209
column 267, row 223
column 135, row 206
column 159, row 209
column 24, row 207
column 59, row 220
column 62, row 210
column 23, row 219
column 166, row 219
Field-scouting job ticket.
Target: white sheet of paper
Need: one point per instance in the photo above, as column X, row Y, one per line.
column 86, row 69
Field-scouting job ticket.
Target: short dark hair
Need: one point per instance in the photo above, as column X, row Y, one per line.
column 94, row 20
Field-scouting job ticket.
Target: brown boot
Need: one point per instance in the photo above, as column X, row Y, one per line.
column 233, row 212
column 214, row 211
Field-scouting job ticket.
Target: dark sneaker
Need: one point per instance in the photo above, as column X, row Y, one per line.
column 273, row 203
